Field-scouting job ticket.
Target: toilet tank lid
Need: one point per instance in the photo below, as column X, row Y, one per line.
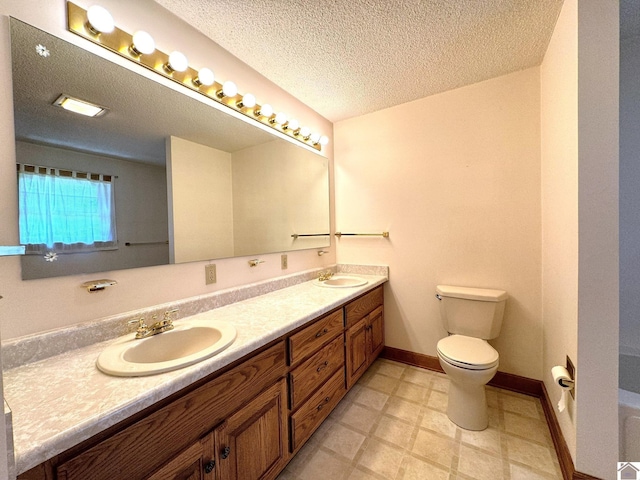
column 468, row 293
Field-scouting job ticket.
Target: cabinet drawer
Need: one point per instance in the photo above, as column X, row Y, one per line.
column 307, row 341
column 313, row 412
column 312, row 373
column 362, row 306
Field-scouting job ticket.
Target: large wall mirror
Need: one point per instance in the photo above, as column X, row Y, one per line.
column 175, row 179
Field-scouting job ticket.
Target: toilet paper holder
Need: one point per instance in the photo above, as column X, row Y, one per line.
column 566, row 383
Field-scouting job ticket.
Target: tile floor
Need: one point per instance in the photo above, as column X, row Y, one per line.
column 393, row 425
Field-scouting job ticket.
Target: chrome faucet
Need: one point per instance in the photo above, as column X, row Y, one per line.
column 163, row 325
column 325, row 276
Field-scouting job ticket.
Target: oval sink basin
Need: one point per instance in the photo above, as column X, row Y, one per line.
column 189, row 342
column 342, row 281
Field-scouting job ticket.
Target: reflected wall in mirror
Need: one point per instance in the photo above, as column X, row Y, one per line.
column 191, row 182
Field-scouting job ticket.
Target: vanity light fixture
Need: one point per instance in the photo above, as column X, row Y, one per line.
column 177, row 62
column 323, row 140
column 205, row 77
column 79, row 106
column 305, row 132
column 143, row 44
column 292, row 125
column 315, row 138
column 99, row 20
column 96, row 25
column 265, row 110
column 280, row 118
column 248, row 101
column 228, row 89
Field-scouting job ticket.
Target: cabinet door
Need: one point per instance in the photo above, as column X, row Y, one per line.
column 252, row 443
column 375, row 342
column 195, row 463
column 356, row 351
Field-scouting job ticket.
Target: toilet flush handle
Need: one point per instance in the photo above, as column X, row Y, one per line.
column 438, row 296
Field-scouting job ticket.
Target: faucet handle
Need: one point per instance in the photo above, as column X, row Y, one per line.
column 168, row 313
column 142, row 326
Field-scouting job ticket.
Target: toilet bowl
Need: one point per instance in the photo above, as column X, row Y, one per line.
column 471, row 316
column 470, row 363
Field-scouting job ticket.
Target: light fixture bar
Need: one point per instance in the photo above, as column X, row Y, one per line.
column 120, row 42
column 81, row 107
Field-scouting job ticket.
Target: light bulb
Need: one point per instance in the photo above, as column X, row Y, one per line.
column 315, row 138
column 143, row 44
column 248, row 100
column 292, row 124
column 324, row 140
column 100, row 20
column 205, row 77
column 280, row 118
column 305, row 132
column 177, row 62
column 265, row 110
column 229, row 89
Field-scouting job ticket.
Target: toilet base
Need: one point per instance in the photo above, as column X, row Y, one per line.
column 467, row 406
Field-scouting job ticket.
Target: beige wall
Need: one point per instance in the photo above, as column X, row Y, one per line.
column 273, row 171
column 455, row 178
column 579, row 116
column 200, row 201
column 559, row 149
column 61, row 301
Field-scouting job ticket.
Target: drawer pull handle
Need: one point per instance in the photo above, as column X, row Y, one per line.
column 208, row 468
column 321, row 333
column 225, row 452
column 322, row 367
column 326, row 400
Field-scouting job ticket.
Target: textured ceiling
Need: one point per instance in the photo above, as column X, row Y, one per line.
column 345, row 58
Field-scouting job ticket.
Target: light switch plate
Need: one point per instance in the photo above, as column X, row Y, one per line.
column 284, row 263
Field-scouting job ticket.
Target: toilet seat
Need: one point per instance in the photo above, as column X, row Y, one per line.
column 468, row 352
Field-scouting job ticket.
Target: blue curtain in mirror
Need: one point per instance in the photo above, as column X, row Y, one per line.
column 65, row 211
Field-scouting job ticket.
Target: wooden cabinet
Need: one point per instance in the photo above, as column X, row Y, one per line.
column 311, row 338
column 169, row 436
column 364, row 337
column 316, row 377
column 252, row 443
column 195, row 463
column 310, row 374
column 313, row 412
column 245, row 422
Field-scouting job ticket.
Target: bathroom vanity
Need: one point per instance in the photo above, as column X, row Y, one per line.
column 244, row 419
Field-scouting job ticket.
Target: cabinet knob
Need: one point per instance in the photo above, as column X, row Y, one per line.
column 208, row 468
column 321, row 406
column 225, row 452
column 321, row 333
column 323, row 366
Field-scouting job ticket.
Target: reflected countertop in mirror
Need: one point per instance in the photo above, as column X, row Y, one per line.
column 192, row 183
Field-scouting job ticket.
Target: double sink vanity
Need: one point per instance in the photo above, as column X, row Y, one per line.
column 272, row 368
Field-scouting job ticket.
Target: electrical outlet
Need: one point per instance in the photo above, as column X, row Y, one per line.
column 210, row 273
column 284, row 263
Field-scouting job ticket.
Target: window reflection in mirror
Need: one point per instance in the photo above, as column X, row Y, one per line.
column 193, row 183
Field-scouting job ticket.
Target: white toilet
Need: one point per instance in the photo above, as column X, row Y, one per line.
column 471, row 316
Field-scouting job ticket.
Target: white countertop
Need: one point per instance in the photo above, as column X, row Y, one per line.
column 60, row 401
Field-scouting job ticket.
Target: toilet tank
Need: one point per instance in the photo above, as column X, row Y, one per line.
column 474, row 312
